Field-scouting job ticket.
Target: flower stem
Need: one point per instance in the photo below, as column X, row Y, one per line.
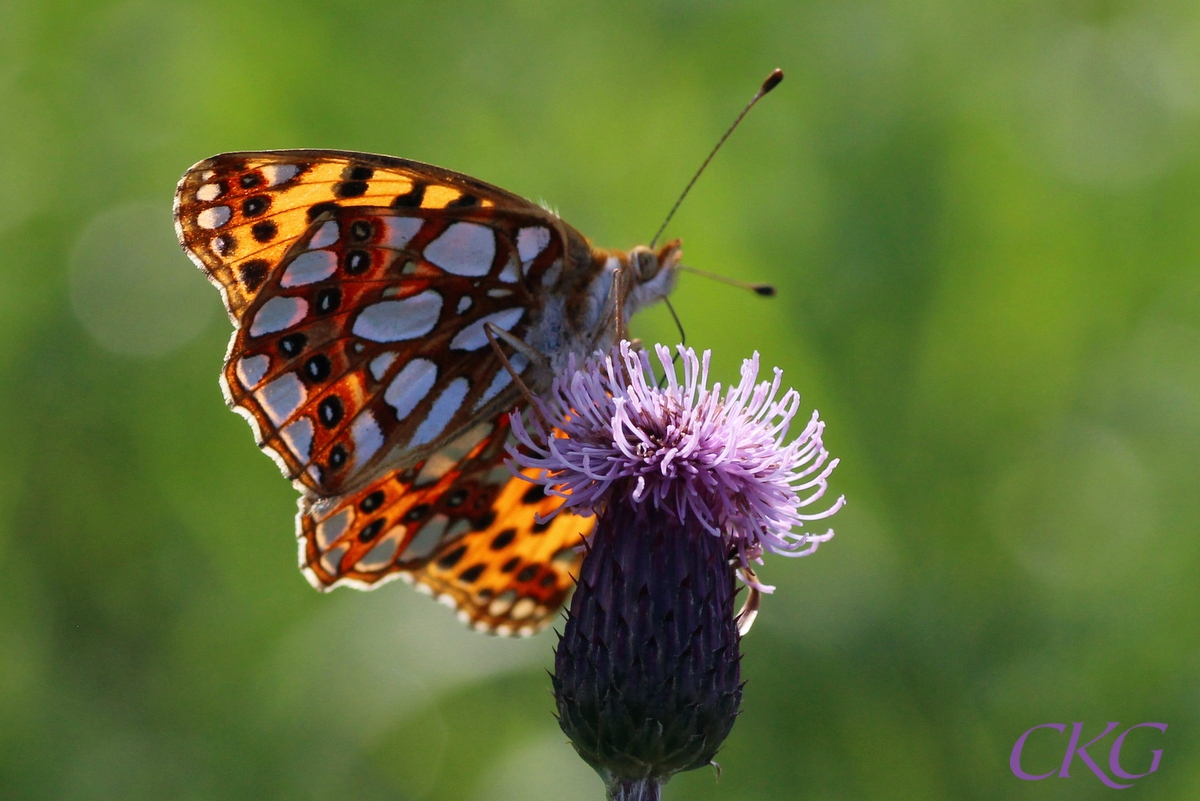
column 635, row 790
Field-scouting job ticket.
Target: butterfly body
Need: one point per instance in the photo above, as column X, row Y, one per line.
column 362, row 289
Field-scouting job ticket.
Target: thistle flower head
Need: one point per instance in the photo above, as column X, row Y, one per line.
column 647, row 675
column 715, row 458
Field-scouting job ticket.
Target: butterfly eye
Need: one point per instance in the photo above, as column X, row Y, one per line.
column 645, row 265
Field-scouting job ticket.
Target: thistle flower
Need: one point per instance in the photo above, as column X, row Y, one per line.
column 690, row 486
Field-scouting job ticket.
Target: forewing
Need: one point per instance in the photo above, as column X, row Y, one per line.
column 459, row 526
column 237, row 214
column 362, row 348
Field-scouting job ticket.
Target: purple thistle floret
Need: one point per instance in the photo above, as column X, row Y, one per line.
column 715, row 459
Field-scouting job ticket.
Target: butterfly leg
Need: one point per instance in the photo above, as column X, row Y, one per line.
column 494, row 334
column 618, row 311
column 535, row 357
column 749, row 611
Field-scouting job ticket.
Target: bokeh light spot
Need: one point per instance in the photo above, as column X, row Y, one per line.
column 132, row 288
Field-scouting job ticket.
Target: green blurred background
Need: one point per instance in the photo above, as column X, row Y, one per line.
column 984, row 223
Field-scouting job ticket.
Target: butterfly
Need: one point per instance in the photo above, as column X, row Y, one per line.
column 371, row 299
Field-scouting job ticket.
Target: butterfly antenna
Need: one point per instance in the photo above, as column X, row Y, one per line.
column 770, row 83
column 766, row 290
column 679, row 325
column 682, row 339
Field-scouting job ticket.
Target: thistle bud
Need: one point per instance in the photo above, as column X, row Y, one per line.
column 646, row 676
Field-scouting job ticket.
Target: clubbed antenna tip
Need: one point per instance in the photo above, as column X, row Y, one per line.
column 770, row 83
column 766, row 290
column 773, row 80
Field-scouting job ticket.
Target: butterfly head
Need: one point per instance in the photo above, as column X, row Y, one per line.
column 652, row 275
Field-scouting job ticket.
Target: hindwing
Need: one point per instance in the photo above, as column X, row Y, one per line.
column 459, row 526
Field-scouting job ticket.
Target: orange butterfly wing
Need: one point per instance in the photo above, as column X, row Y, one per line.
column 459, row 526
column 360, row 338
column 403, row 473
column 237, row 214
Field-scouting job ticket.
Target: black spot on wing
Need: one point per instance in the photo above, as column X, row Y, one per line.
column 330, row 412
column 472, row 573
column 337, row 456
column 264, row 231
column 483, row 521
column 350, row 189
column 371, row 530
column 292, row 344
column 317, row 368
column 356, row 262
column 328, row 300
column 317, row 209
column 501, row 540
column 410, row 199
column 224, row 245
column 416, row 513
column 372, row 502
column 534, row 494
column 252, row 273
column 451, row 559
column 254, row 206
